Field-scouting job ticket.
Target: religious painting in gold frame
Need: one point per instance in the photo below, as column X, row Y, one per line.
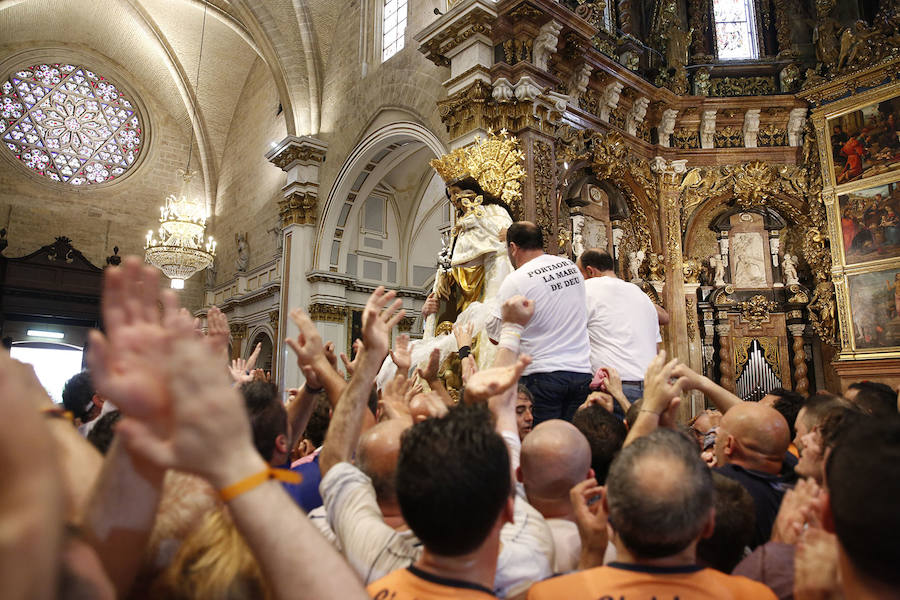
column 873, row 296
column 862, row 137
column 870, row 223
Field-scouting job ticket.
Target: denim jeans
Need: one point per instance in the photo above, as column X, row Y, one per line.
column 632, row 391
column 557, row 394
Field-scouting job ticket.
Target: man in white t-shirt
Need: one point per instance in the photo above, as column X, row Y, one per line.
column 556, row 337
column 623, row 323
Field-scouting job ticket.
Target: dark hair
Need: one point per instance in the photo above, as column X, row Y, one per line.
column 633, row 411
column 661, row 519
column 863, row 475
column 877, row 399
column 268, row 418
column 453, row 479
column 788, row 404
column 525, row 235
column 77, row 394
column 605, row 433
column 104, row 430
column 735, row 525
column 318, row 421
column 471, row 184
column 820, row 404
column 599, row 259
column 523, row 389
column 837, row 421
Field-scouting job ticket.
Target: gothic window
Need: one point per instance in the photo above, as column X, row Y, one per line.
column 69, row 124
column 735, row 29
column 393, row 27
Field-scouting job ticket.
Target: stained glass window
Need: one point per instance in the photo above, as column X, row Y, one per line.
column 735, row 29
column 393, row 27
column 69, row 123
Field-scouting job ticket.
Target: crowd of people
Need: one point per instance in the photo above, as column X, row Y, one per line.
column 561, row 471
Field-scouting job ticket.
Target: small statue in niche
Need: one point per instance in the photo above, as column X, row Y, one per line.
column 243, row 253
column 789, row 269
column 718, row 267
column 211, row 275
column 679, row 42
column 656, row 267
column 789, row 78
column 577, row 235
column 635, row 259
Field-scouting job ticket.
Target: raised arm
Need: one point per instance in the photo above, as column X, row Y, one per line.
column 347, row 421
column 722, row 398
column 191, row 419
column 661, row 397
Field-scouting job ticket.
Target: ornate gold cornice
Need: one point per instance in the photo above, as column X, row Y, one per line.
column 838, row 87
column 330, row 313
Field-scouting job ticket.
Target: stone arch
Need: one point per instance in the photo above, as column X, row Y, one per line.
column 367, row 163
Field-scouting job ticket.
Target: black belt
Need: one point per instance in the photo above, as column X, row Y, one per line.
column 639, row 382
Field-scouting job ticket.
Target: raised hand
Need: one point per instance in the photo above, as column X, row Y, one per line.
column 430, row 372
column 599, row 398
column 586, row 498
column 378, row 318
column 218, row 332
column 430, row 306
column 351, row 365
column 494, row 381
column 801, row 507
column 395, row 398
column 242, row 370
column 400, row 354
column 308, row 346
column 463, row 334
column 517, row 310
column 659, row 391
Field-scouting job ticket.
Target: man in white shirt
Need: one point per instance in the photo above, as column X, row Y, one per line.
column 623, row 323
column 556, row 336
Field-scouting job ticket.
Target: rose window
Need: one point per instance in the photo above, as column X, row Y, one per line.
column 69, row 124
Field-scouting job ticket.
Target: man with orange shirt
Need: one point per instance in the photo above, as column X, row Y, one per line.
column 455, row 492
column 659, row 502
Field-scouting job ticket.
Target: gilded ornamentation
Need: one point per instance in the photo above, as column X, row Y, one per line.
column 798, row 294
column 742, row 86
column 543, row 185
column 298, row 209
column 625, row 17
column 609, row 156
column 495, row 162
column 822, row 309
column 729, row 137
column 691, row 269
column 756, row 310
column 238, row 330
column 863, row 45
column 700, row 13
column 691, row 308
column 783, row 26
column 330, row 313
column 686, row 139
column 771, row 135
column 516, row 50
column 656, row 267
column 801, row 383
column 406, row 324
column 273, row 319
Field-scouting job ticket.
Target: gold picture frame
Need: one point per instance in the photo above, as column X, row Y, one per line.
column 859, row 138
column 872, row 301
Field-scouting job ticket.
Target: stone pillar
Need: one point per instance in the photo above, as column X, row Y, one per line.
column 461, row 39
column 300, row 158
column 801, row 383
column 238, row 333
column 669, row 175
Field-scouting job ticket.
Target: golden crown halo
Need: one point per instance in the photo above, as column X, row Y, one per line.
column 495, row 162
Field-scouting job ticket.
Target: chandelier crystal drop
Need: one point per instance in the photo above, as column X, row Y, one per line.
column 179, row 249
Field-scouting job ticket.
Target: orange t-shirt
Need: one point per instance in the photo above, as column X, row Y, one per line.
column 415, row 584
column 618, row 581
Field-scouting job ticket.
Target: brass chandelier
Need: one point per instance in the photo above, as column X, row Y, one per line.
column 179, row 250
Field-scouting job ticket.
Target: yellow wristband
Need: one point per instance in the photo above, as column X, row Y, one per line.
column 245, row 485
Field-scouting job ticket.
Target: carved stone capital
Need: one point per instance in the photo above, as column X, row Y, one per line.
column 465, row 19
column 298, row 208
column 293, row 151
column 669, row 172
column 238, row 331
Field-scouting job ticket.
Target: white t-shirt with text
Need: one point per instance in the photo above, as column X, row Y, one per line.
column 556, row 336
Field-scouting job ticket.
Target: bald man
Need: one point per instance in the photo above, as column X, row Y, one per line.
column 555, row 457
column 750, row 446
